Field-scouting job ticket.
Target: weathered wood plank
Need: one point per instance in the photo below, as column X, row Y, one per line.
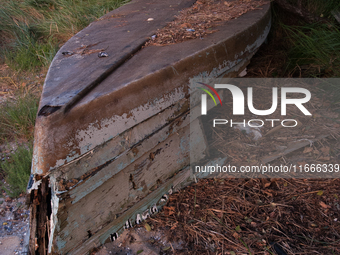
column 109, row 110
column 136, row 156
column 180, row 180
column 161, row 125
column 129, row 30
column 80, row 213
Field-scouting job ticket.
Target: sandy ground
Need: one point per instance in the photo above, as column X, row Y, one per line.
column 13, row 225
column 9, row 245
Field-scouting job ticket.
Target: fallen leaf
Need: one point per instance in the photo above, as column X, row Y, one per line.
column 147, row 227
column 323, row 205
column 169, row 210
column 253, row 224
column 185, row 25
column 308, row 150
column 320, row 193
column 236, row 235
column 267, row 193
column 325, row 150
column 325, row 158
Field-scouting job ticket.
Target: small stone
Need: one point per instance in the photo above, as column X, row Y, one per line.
column 102, row 54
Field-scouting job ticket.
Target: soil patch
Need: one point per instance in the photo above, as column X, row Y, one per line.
column 14, row 223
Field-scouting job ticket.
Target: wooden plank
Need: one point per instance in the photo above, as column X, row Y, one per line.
column 162, row 125
column 145, row 150
column 180, row 180
column 78, row 214
column 290, row 148
column 129, row 32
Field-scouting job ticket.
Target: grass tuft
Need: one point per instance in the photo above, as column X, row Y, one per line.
column 17, row 118
column 17, row 169
column 32, row 30
column 316, row 47
column 322, row 8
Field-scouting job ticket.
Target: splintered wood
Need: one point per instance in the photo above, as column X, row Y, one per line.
column 201, row 19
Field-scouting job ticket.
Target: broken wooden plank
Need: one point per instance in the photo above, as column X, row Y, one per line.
column 292, row 147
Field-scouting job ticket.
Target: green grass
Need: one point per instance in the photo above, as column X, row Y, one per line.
column 32, row 30
column 17, row 118
column 317, row 47
column 310, row 50
column 322, row 8
column 17, row 170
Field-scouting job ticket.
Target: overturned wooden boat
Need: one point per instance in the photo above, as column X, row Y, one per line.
column 112, row 132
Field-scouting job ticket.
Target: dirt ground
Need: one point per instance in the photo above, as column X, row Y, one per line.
column 9, row 245
column 242, row 216
column 14, row 223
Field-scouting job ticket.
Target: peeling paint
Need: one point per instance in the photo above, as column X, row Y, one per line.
column 54, row 206
column 35, row 185
column 93, row 136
